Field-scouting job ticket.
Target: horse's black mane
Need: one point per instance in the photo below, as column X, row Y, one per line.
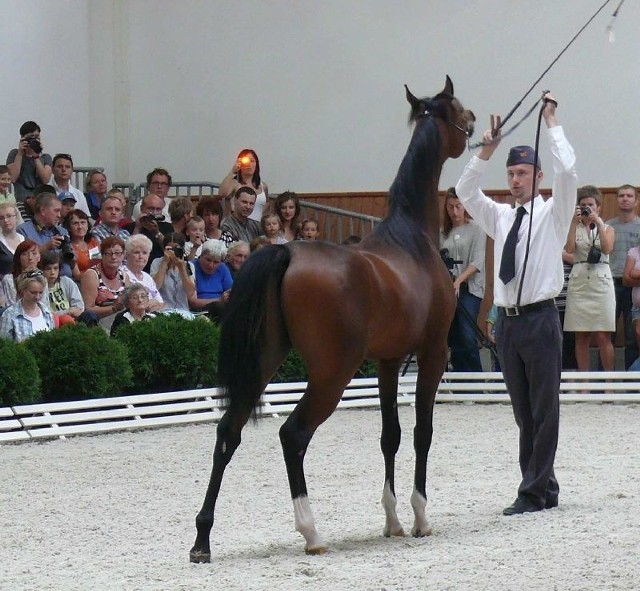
column 404, row 224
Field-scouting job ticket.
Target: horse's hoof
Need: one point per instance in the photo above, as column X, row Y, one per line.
column 421, row 532
column 317, row 551
column 396, row 533
column 199, row 557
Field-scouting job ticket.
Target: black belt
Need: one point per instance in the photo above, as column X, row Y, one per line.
column 519, row 310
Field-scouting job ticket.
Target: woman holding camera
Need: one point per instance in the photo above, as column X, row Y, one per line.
column 462, row 245
column 174, row 275
column 245, row 172
column 591, row 302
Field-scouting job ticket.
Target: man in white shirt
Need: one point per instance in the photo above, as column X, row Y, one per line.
column 528, row 331
column 61, row 181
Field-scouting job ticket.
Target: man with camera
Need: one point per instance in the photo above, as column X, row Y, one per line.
column 28, row 164
column 44, row 228
column 528, row 243
column 152, row 224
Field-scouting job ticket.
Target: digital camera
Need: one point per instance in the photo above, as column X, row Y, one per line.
column 178, row 251
column 585, row 211
column 34, row 144
column 152, row 218
column 65, row 246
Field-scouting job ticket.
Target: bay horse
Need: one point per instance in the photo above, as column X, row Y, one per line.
column 384, row 298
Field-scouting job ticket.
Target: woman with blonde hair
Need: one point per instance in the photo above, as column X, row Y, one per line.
column 29, row 314
column 9, row 238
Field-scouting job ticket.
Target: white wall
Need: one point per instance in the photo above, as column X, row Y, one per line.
column 44, row 71
column 314, row 88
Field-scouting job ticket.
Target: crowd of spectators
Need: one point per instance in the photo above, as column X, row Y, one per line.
column 68, row 256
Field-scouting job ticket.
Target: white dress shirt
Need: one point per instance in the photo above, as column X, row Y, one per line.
column 544, row 275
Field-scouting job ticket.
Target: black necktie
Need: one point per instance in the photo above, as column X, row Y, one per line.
column 508, row 261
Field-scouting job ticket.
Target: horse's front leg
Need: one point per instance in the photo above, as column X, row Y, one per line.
column 430, row 370
column 389, row 442
column 228, row 440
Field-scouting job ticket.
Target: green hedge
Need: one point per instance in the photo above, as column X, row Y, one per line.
column 171, row 353
column 20, row 382
column 294, row 370
column 76, row 362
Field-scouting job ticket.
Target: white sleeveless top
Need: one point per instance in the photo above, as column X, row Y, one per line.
column 261, row 201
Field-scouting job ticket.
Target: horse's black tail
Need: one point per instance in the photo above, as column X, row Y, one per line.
column 243, row 334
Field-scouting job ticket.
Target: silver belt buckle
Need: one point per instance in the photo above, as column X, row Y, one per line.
column 512, row 311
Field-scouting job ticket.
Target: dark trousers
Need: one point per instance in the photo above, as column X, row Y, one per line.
column 568, row 347
column 623, row 307
column 462, row 334
column 530, row 352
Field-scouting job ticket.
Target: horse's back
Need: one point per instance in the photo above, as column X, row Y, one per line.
column 381, row 301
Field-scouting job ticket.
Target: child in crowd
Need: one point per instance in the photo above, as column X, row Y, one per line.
column 258, row 242
column 196, row 234
column 272, row 228
column 65, row 300
column 68, row 204
column 5, row 185
column 310, row 229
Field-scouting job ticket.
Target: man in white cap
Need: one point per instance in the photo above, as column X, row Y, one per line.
column 528, row 331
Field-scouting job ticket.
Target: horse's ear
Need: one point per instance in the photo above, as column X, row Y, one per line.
column 448, row 87
column 413, row 101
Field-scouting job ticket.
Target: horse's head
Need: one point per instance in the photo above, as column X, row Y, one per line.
column 446, row 107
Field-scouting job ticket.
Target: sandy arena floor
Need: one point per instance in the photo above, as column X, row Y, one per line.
column 116, row 511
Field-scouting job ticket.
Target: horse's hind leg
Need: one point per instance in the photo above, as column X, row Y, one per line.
column 389, row 442
column 318, row 403
column 227, row 441
column 430, row 369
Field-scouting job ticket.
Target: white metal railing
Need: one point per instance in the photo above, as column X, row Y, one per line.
column 61, row 419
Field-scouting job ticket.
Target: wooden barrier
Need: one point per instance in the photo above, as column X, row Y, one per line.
column 62, row 419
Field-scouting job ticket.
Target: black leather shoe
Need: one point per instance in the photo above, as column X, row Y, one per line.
column 521, row 505
column 551, row 502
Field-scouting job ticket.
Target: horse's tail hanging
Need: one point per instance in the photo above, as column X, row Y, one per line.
column 243, row 327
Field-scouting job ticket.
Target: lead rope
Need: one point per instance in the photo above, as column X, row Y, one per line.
column 526, row 94
column 536, row 168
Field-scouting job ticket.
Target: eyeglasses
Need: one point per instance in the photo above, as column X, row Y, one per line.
column 113, row 253
column 9, row 216
column 141, row 297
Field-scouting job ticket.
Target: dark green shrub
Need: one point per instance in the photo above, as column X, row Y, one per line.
column 20, row 382
column 293, row 369
column 76, row 362
column 171, row 353
column 368, row 369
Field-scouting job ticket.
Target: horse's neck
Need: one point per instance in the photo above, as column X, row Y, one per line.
column 431, row 222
